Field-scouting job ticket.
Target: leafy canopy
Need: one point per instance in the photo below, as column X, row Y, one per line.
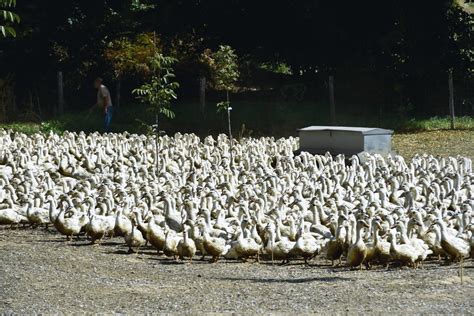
column 131, row 56
column 224, row 70
column 8, row 16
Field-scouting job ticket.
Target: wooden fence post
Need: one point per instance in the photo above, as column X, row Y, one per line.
column 451, row 97
column 331, row 100
column 202, row 95
column 117, row 93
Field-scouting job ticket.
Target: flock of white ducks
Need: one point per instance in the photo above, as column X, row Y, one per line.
column 193, row 200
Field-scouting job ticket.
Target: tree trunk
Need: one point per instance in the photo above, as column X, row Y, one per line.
column 332, row 104
column 60, row 110
column 451, row 97
column 202, row 95
column 117, row 93
column 40, row 112
column 230, row 129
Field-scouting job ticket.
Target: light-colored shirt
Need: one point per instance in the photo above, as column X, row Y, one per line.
column 103, row 92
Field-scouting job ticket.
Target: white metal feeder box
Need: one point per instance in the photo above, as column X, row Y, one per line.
column 345, row 140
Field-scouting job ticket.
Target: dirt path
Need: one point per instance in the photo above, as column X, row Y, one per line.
column 42, row 273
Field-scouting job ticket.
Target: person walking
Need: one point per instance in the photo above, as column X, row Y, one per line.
column 104, row 102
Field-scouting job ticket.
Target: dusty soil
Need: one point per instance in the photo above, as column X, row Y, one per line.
column 42, row 273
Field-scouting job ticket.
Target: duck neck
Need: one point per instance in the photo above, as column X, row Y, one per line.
column 169, row 209
column 205, row 232
column 410, row 228
column 52, row 211
column 139, row 219
column 404, row 235
column 322, row 215
column 376, row 235
column 359, row 233
column 271, row 240
column 393, row 242
column 442, row 230
column 316, row 219
column 208, row 219
column 460, row 223
column 242, row 226
column 278, row 234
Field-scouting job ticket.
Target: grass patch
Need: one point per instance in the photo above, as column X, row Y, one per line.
column 27, row 128
column 439, row 123
column 439, row 143
column 261, row 118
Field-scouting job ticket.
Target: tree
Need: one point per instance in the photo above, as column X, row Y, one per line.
column 224, row 75
column 160, row 91
column 131, row 56
column 8, row 16
column 128, row 56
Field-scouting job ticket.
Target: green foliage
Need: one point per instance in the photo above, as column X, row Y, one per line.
column 276, row 67
column 8, row 17
column 131, row 56
column 223, row 67
column 54, row 126
column 137, row 5
column 160, row 91
column 461, row 38
column 224, row 71
column 222, row 106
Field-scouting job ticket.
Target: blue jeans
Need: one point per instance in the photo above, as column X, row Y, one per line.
column 108, row 118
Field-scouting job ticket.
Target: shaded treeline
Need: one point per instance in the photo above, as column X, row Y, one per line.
column 388, row 57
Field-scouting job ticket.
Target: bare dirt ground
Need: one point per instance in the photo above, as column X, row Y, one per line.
column 42, row 273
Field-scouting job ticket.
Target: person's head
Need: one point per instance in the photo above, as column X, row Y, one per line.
column 97, row 82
